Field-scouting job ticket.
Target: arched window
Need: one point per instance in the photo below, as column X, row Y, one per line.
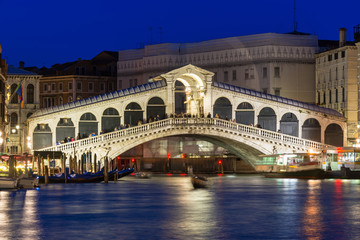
column 30, row 94
column 13, row 119
column 60, row 101
column 15, row 97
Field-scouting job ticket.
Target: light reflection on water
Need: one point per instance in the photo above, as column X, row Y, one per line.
column 240, row 207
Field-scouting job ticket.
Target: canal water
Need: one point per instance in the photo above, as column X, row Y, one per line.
column 167, row 207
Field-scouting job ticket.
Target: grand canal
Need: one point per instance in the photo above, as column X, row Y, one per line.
column 167, row 207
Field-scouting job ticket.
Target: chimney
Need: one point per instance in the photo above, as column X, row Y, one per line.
column 342, row 37
column 357, row 33
column 21, row 64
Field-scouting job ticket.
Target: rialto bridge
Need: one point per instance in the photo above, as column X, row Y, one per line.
column 186, row 102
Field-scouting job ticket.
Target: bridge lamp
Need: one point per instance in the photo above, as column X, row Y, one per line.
column 17, row 127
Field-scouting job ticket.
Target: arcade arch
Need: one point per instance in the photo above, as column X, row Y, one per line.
column 87, row 125
column 311, row 130
column 267, row 119
column 133, row 114
column 110, row 120
column 289, row 124
column 155, row 106
column 42, row 136
column 245, row 113
column 223, row 108
column 334, row 135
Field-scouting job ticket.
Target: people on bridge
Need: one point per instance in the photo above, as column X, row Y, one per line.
column 208, row 115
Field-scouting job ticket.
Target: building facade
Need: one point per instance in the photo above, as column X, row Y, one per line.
column 71, row 81
column 3, row 118
column 279, row 64
column 18, row 139
column 337, row 83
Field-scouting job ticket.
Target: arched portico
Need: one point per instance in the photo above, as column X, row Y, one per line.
column 334, row 135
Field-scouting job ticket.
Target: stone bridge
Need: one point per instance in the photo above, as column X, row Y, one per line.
column 284, row 124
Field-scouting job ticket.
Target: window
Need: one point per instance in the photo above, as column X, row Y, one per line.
column 329, row 57
column 277, row 91
column 215, row 76
column 336, row 95
column 318, row 97
column 13, row 90
column 91, row 86
column 102, row 86
column 70, row 99
column 234, row 75
column 45, row 103
column 60, row 87
column 246, row 73
column 324, row 98
column 330, row 100
column 265, row 72
column 343, row 94
column 61, row 101
column 276, row 71
column 45, row 87
column 79, row 86
column 13, row 120
column 336, row 56
column 133, row 82
column 53, row 87
column 226, row 76
column 30, row 94
column 120, row 84
column 70, row 85
column 343, row 73
column 251, row 73
column 336, row 73
column 265, row 90
column 343, row 54
column 330, row 75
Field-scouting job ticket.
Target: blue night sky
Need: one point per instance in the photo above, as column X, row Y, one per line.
column 45, row 32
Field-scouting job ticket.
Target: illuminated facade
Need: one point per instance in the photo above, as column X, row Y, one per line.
column 278, row 64
column 17, row 130
column 337, row 82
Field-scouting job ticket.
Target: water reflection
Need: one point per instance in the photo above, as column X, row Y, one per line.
column 312, row 224
column 241, row 207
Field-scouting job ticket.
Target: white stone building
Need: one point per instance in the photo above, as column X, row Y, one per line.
column 337, row 83
column 279, row 64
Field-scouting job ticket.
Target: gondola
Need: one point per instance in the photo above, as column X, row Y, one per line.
column 86, row 177
column 199, row 181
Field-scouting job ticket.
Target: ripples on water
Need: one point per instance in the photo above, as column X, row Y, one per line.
column 233, row 207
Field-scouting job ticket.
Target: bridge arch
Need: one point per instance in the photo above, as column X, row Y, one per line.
column 110, row 120
column 311, row 130
column 65, row 128
column 289, row 124
column 334, row 135
column 133, row 114
column 223, row 108
column 155, row 106
column 87, row 125
column 245, row 113
column 42, row 136
column 267, row 119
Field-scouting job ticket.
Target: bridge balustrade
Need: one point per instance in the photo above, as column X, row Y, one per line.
column 171, row 122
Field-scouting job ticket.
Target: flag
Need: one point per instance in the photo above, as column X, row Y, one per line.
column 19, row 93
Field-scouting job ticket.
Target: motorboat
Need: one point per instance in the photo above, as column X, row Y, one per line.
column 143, row 175
column 292, row 165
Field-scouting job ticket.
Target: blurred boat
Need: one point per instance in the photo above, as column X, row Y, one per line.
column 8, row 183
column 121, row 173
column 28, row 181
column 143, row 175
column 199, row 181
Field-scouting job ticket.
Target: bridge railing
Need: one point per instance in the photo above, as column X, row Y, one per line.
column 171, row 122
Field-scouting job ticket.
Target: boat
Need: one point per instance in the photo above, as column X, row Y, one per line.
column 292, row 165
column 25, row 181
column 143, row 175
column 121, row 173
column 199, row 181
column 8, row 183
